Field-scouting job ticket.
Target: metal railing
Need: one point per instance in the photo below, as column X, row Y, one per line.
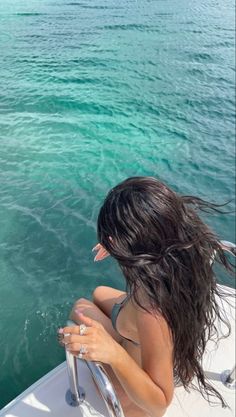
column 229, row 377
column 75, row 396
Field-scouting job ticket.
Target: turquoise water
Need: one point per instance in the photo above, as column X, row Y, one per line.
column 92, row 92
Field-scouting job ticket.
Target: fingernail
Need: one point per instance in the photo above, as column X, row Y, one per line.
column 60, row 330
column 79, row 311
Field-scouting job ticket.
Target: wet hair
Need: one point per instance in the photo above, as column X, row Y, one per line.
column 165, row 250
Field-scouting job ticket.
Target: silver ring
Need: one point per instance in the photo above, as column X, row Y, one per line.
column 82, row 351
column 82, row 329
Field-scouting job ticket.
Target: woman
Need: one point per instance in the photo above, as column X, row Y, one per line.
column 155, row 333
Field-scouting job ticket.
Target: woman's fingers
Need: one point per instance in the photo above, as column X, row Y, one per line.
column 70, row 329
column 102, row 252
column 76, row 347
column 73, row 333
column 76, row 329
column 92, row 340
column 97, row 247
column 75, row 338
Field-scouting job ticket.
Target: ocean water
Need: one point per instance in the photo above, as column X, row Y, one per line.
column 92, row 92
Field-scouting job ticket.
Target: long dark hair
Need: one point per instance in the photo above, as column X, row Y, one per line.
column 166, row 250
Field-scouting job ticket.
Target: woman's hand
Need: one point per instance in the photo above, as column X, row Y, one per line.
column 101, row 254
column 95, row 342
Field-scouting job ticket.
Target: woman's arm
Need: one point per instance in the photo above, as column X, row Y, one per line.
column 150, row 387
column 139, row 386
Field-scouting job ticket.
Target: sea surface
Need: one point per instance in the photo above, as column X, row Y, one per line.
column 92, row 92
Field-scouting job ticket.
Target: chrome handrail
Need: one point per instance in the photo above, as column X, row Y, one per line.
column 229, row 377
column 75, row 395
column 106, row 389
